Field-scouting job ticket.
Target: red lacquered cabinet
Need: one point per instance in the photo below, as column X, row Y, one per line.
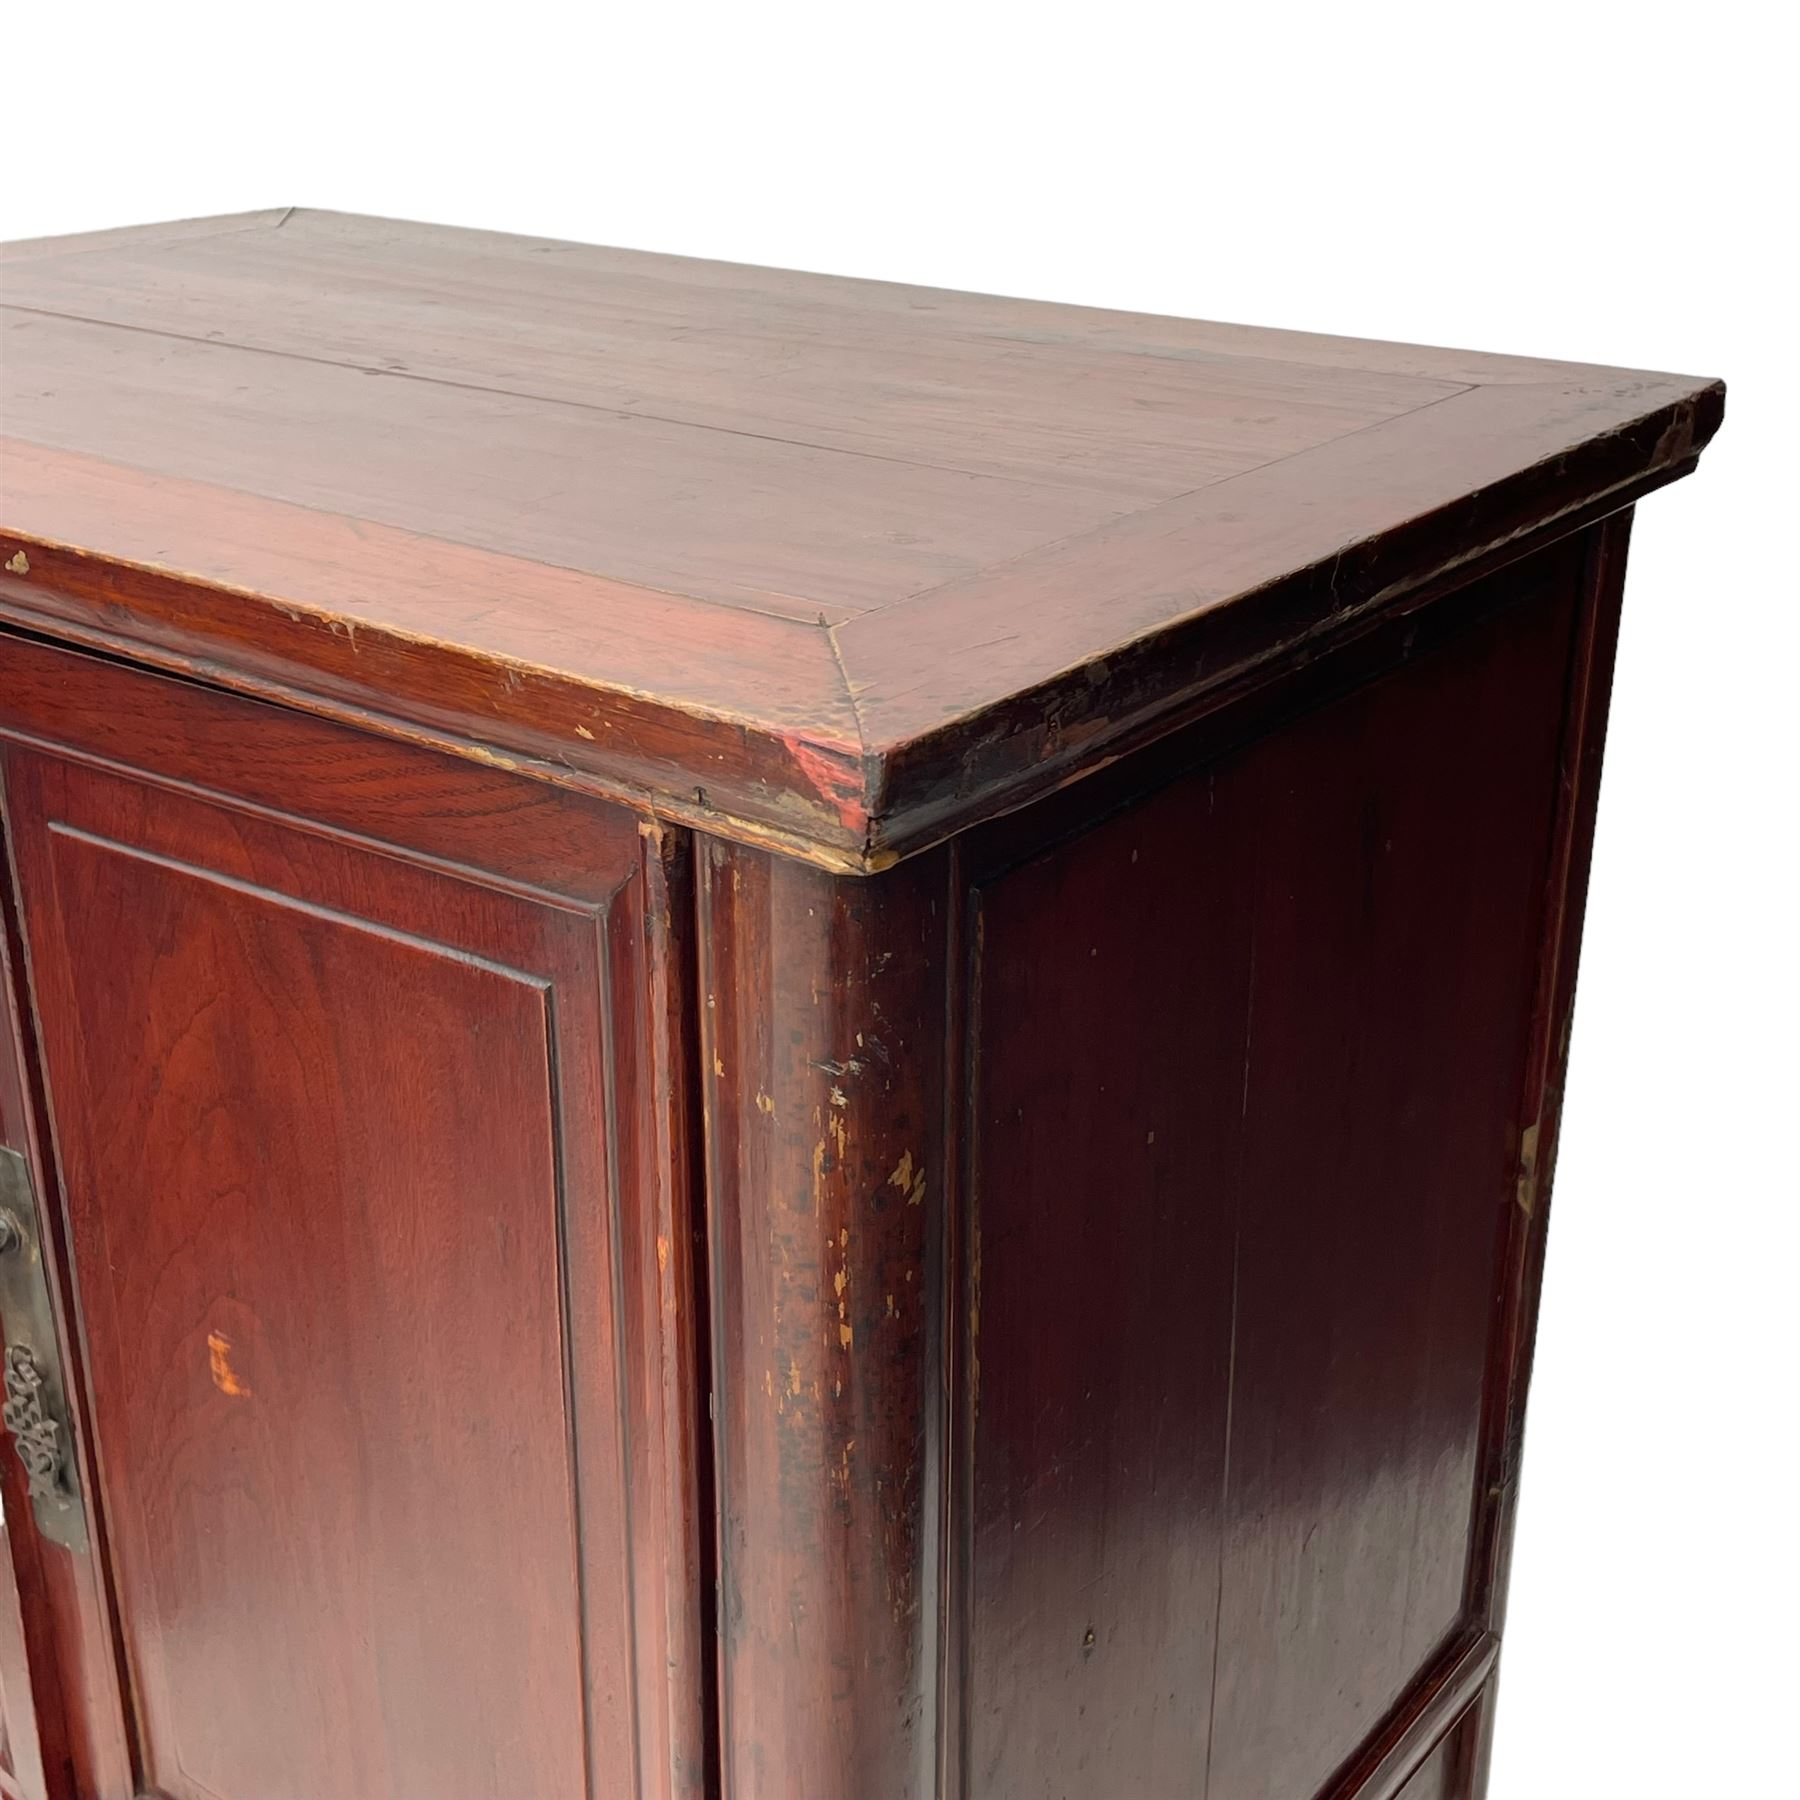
column 772, row 1038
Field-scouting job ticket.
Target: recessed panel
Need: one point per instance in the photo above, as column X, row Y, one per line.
column 307, row 1111
column 1403, row 840
column 1447, row 1772
column 1248, row 1058
column 1109, row 1029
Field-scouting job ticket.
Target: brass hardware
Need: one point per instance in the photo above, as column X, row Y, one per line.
column 36, row 1436
column 36, row 1411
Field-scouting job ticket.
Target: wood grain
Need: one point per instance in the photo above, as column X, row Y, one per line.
column 795, row 361
column 1243, row 1143
column 823, row 1057
column 369, row 1126
column 1443, row 1777
column 784, row 1039
column 727, row 515
column 1230, row 1117
column 1109, row 982
column 826, row 565
column 1403, row 850
column 74, row 1676
column 317, row 1388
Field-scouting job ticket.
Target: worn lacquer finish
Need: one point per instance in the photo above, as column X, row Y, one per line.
column 823, row 1044
column 780, row 1038
column 1235, row 1102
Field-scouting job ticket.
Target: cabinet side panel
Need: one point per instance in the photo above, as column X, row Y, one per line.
column 823, row 1064
column 1244, row 1136
column 1110, row 983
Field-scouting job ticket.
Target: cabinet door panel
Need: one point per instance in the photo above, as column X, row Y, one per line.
column 331, row 1130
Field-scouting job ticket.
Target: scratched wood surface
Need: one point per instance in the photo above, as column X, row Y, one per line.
column 823, row 1062
column 834, row 566
column 1045, row 1321
column 1159, row 1130
column 373, row 1161
column 1229, row 1082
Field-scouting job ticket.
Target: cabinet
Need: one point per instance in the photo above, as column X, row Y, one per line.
column 774, row 1038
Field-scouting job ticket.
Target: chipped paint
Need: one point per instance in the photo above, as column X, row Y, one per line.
column 764, row 1104
column 910, row 1181
column 18, row 563
column 837, row 779
column 841, row 1284
column 1526, row 1189
column 224, row 1377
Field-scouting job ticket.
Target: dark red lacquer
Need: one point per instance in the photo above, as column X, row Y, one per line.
column 779, row 1039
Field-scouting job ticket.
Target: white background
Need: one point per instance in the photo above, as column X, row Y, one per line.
column 1602, row 182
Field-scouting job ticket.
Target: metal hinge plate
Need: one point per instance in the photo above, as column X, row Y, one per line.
column 37, row 1404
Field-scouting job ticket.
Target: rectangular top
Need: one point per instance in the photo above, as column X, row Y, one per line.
column 836, row 565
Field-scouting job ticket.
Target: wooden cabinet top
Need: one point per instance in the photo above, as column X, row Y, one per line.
column 834, row 565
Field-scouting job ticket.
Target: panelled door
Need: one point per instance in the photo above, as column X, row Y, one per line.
column 346, row 1053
